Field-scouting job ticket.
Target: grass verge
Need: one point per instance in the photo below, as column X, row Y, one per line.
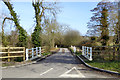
column 47, row 53
column 107, row 65
column 77, row 52
column 7, row 64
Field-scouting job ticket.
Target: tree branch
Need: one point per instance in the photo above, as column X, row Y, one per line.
column 4, row 22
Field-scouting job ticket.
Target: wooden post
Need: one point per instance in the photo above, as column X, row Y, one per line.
column 27, row 54
column 24, row 54
column 8, row 54
column 113, row 53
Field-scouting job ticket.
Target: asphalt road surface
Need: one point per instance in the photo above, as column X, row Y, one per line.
column 59, row 65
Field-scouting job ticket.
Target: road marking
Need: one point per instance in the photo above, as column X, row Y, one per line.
column 66, row 75
column 46, row 72
column 66, row 50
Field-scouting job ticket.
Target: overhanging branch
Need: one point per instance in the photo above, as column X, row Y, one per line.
column 3, row 24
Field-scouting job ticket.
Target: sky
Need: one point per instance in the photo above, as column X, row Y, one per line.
column 77, row 14
column 74, row 14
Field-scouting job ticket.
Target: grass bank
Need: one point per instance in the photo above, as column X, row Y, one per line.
column 76, row 53
column 107, row 65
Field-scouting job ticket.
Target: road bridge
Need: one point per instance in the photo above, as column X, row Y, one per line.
column 59, row 65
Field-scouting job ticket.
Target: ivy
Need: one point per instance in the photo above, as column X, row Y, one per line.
column 36, row 39
column 22, row 33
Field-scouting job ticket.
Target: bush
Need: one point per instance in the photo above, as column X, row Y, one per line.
column 18, row 59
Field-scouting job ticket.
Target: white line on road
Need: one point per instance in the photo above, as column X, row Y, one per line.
column 66, row 75
column 46, row 72
column 70, row 76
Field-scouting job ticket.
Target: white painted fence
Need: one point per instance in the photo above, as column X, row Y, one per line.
column 33, row 53
column 87, row 52
column 73, row 48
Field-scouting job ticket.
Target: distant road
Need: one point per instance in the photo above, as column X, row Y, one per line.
column 59, row 65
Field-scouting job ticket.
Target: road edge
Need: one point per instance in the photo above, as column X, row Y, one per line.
column 95, row 68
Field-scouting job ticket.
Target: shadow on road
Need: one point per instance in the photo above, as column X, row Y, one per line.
column 65, row 58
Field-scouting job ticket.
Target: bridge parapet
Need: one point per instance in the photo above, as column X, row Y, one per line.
column 87, row 52
column 33, row 53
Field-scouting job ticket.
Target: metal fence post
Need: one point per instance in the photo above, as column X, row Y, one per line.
column 74, row 49
column 90, row 53
column 40, row 50
column 36, row 51
column 26, row 54
column 82, row 50
column 87, row 51
column 32, row 52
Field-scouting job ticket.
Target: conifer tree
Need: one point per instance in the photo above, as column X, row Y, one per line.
column 98, row 24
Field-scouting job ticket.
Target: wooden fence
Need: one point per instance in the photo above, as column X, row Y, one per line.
column 106, row 53
column 12, row 52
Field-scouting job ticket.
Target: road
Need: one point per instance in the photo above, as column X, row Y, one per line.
column 59, row 65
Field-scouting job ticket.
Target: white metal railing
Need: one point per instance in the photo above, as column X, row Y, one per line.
column 87, row 52
column 33, row 53
column 73, row 48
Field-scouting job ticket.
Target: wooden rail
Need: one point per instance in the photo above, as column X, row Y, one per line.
column 9, row 51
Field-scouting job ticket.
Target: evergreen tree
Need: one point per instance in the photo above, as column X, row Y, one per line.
column 118, row 25
column 104, row 27
column 98, row 24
